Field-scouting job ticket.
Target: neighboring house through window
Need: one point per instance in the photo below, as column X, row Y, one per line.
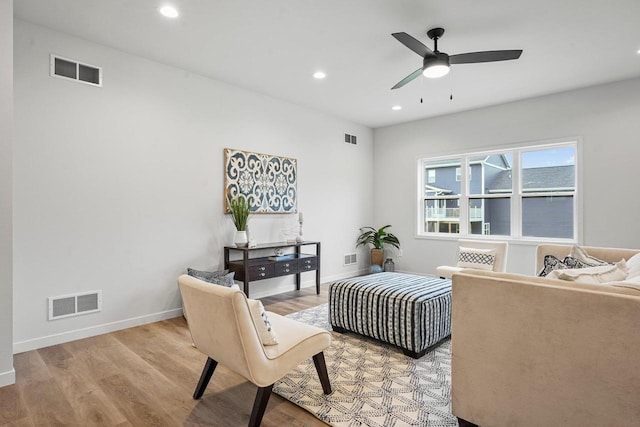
column 431, row 176
column 525, row 192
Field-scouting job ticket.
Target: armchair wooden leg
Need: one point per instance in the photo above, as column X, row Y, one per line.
column 209, row 367
column 259, row 405
column 321, row 367
column 465, row 423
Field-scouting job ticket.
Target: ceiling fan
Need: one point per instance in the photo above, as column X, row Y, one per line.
column 436, row 64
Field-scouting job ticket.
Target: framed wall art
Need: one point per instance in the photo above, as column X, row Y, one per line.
column 268, row 182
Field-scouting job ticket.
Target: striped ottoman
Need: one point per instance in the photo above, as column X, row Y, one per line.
column 408, row 311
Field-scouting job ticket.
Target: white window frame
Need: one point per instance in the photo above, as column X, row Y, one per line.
column 516, row 194
column 459, row 174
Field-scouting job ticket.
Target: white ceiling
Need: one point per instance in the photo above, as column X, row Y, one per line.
column 274, row 46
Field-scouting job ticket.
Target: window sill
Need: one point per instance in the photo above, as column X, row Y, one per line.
column 509, row 239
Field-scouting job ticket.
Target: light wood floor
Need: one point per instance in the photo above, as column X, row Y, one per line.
column 144, row 376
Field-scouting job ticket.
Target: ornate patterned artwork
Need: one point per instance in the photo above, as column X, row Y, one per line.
column 268, row 182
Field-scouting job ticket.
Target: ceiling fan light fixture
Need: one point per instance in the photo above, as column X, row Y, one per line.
column 435, row 71
column 437, row 66
column 169, row 11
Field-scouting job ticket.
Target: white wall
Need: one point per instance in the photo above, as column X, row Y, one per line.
column 606, row 117
column 7, row 374
column 120, row 188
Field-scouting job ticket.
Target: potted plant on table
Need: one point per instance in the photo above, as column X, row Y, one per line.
column 240, row 209
column 378, row 238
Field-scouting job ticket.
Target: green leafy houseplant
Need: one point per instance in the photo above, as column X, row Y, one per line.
column 240, row 209
column 378, row 238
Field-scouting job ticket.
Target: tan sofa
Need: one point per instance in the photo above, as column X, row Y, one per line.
column 530, row 351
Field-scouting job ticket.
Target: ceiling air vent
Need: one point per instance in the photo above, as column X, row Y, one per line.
column 350, row 139
column 75, row 304
column 74, row 70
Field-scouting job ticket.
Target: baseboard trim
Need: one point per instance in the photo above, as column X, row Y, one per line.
column 8, row 378
column 36, row 343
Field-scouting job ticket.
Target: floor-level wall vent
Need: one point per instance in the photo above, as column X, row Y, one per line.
column 75, row 304
column 350, row 259
column 71, row 69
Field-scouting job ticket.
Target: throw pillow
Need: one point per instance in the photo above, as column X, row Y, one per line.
column 552, row 263
column 480, row 259
column 222, row 277
column 629, row 283
column 580, row 253
column 261, row 321
column 594, row 275
column 634, row 266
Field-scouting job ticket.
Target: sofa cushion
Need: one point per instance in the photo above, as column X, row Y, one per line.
column 593, row 275
column 481, row 259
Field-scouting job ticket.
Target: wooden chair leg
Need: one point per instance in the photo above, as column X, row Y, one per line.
column 207, row 372
column 259, row 405
column 465, row 423
column 321, row 367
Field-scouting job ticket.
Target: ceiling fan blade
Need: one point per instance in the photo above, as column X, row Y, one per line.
column 486, row 56
column 413, row 44
column 407, row 79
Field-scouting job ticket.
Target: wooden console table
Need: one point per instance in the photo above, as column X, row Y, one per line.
column 248, row 269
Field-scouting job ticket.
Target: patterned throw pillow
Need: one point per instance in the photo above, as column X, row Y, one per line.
column 222, row 277
column 480, row 259
column 552, row 263
column 261, row 321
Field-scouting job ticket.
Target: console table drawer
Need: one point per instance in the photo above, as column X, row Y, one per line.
column 257, row 272
column 307, row 264
column 284, row 268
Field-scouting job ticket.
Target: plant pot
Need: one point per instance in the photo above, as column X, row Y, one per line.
column 241, row 240
column 377, row 256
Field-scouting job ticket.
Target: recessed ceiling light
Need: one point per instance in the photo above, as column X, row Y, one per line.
column 638, row 50
column 396, row 108
column 319, row 75
column 169, row 11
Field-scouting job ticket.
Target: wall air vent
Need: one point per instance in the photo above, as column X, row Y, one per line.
column 350, row 259
column 75, row 304
column 71, row 69
column 350, row 139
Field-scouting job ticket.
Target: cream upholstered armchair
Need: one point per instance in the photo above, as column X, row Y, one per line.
column 223, row 328
column 499, row 263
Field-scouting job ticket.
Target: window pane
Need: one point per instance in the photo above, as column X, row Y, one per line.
column 442, row 215
column 495, row 173
column 431, row 176
column 442, row 181
column 548, row 170
column 490, row 216
column 549, row 216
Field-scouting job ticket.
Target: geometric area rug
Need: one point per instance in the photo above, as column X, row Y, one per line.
column 374, row 384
